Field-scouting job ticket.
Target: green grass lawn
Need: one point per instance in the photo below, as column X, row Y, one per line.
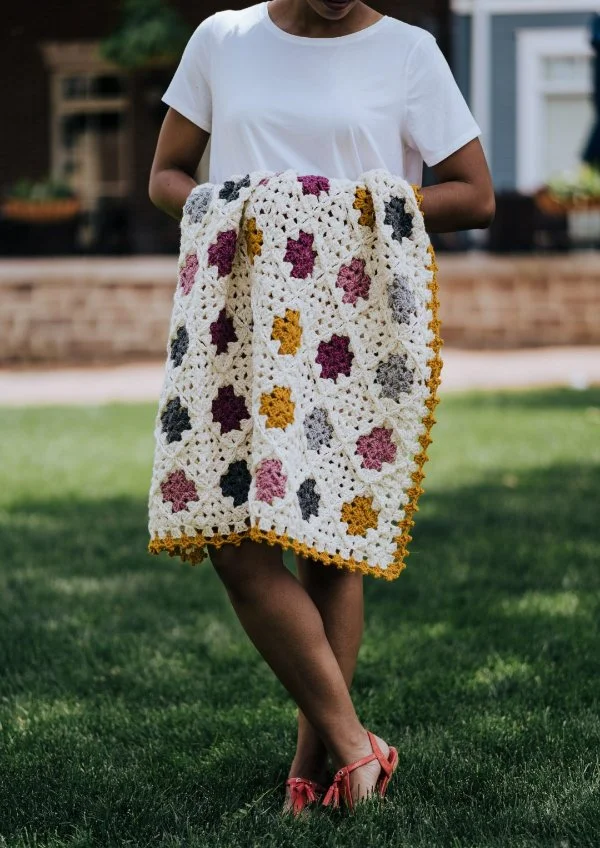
column 134, row 710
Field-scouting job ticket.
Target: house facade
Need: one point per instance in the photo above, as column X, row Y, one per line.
column 70, row 113
column 526, row 68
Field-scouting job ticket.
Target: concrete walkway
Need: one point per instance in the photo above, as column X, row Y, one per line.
column 577, row 367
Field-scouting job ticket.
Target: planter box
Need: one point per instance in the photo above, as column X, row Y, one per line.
column 42, row 212
column 549, row 204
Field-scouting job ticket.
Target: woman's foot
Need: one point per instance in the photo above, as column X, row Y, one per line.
column 315, row 770
column 364, row 778
column 301, row 795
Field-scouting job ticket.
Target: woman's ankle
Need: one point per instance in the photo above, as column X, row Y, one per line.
column 311, row 770
column 356, row 748
column 350, row 747
column 310, row 761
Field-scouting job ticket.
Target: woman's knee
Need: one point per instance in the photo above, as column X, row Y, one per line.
column 242, row 568
column 326, row 574
column 227, row 562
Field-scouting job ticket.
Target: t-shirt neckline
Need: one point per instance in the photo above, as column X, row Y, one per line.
column 308, row 39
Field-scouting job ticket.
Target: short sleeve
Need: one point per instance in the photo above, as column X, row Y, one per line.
column 438, row 120
column 189, row 91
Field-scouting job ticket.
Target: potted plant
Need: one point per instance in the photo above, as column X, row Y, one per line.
column 40, row 202
column 571, row 191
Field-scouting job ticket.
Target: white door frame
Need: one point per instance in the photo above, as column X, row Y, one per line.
column 532, row 45
column 480, row 84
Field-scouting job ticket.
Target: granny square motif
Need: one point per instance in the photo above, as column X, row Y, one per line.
column 303, row 360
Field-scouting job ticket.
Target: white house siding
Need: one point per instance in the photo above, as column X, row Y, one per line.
column 503, row 77
column 504, row 85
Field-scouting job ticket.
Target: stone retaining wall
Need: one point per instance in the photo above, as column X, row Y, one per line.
column 97, row 309
column 526, row 301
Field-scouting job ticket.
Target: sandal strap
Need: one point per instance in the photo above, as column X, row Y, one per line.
column 305, row 782
column 377, row 754
column 383, row 760
column 357, row 763
column 341, row 781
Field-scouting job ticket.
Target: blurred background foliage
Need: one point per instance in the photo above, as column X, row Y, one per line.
column 150, row 32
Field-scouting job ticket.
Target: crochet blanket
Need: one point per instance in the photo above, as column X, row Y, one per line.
column 303, row 359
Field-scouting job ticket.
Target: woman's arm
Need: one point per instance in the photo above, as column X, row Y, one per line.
column 464, row 197
column 178, row 152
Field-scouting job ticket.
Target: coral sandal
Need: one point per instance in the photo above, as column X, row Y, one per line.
column 340, row 788
column 302, row 793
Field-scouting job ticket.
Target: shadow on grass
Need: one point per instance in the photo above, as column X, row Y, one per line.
column 135, row 709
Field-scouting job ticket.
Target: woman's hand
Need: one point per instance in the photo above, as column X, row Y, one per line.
column 463, row 198
column 178, row 152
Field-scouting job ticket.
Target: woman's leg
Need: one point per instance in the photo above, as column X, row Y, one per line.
column 286, row 627
column 338, row 595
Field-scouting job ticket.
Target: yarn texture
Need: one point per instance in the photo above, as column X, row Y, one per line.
column 303, row 361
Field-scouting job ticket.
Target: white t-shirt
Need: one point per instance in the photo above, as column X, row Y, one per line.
column 382, row 97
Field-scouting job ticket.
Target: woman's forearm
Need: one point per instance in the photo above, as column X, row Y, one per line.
column 446, row 207
column 168, row 190
column 455, row 205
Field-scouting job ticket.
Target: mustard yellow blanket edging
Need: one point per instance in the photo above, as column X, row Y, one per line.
column 191, row 548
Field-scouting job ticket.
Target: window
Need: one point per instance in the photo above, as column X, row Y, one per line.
column 89, row 129
column 555, row 112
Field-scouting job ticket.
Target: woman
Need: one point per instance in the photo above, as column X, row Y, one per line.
column 326, row 87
